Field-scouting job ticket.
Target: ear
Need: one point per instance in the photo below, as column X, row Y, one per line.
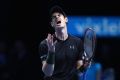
column 66, row 19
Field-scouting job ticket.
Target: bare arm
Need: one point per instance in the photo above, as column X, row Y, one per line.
column 83, row 64
column 48, row 65
column 47, row 68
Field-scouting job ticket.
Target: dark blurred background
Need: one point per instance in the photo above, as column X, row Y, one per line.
column 28, row 22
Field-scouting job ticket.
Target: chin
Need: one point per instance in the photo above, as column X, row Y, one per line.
column 59, row 27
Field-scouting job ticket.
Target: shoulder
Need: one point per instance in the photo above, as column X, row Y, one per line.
column 43, row 42
column 75, row 38
column 77, row 41
column 43, row 47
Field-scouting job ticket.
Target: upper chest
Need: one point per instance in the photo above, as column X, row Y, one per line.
column 66, row 50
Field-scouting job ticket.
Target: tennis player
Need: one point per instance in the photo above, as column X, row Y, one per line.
column 61, row 53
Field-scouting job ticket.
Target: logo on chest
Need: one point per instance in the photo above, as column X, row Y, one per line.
column 72, row 47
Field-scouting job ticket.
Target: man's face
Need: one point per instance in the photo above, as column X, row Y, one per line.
column 58, row 20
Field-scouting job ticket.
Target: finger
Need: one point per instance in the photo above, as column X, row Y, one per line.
column 49, row 38
column 55, row 42
column 52, row 39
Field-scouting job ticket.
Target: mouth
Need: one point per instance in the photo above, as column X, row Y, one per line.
column 58, row 22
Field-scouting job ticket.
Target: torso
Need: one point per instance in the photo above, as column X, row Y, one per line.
column 66, row 56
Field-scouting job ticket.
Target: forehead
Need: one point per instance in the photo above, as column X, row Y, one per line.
column 56, row 13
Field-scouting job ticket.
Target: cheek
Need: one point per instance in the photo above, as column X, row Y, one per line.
column 53, row 22
column 64, row 22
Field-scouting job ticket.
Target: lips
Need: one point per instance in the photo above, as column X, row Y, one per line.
column 58, row 22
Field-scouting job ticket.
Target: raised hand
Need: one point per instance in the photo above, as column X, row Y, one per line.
column 50, row 43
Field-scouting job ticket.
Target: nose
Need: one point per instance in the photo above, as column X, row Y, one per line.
column 56, row 16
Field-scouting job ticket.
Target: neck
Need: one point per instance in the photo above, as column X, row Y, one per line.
column 61, row 34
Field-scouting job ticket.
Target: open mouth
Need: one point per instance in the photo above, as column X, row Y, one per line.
column 58, row 22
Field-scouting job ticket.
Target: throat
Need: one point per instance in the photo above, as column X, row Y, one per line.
column 61, row 33
column 62, row 37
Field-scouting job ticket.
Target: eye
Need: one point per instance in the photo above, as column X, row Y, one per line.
column 58, row 14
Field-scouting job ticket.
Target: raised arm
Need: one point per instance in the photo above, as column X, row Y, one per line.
column 48, row 64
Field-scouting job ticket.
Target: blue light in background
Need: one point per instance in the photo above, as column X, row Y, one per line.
column 104, row 26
